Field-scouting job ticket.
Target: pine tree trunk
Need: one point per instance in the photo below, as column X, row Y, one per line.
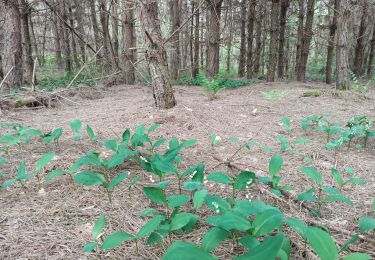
column 74, row 44
column 156, row 55
column 258, row 47
column 250, row 37
column 371, row 54
column 65, row 37
column 342, row 46
column 284, row 5
column 213, row 48
column 12, row 48
column 175, row 11
column 358, row 57
column 242, row 55
column 57, row 38
column 80, row 26
column 94, row 23
column 34, row 42
column 114, row 20
column 273, row 41
column 129, row 42
column 301, row 17
column 230, row 29
column 195, row 71
column 331, row 43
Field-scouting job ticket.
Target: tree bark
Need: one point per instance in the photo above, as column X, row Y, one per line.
column 129, row 43
column 258, row 39
column 57, row 38
column 94, row 23
column 78, row 16
column 307, row 36
column 195, row 70
column 273, row 41
column 242, row 56
column 213, row 48
column 331, row 42
column 301, row 17
column 358, row 57
column 284, row 5
column 12, row 48
column 114, row 20
column 175, row 11
column 250, row 37
column 74, row 44
column 342, row 46
column 156, row 55
column 65, row 37
column 371, row 54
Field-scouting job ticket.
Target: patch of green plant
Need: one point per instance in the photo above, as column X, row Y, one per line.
column 274, row 94
column 50, row 83
column 314, row 93
column 340, row 180
column 290, row 146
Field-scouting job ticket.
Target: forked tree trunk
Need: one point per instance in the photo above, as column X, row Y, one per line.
column 342, row 46
column 331, row 43
column 284, row 5
column 213, row 35
column 242, row 56
column 250, row 37
column 129, row 43
column 156, row 55
column 371, row 54
column 12, row 48
column 195, row 70
column 358, row 57
column 175, row 11
column 273, row 41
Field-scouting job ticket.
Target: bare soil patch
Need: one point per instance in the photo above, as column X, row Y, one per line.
column 57, row 224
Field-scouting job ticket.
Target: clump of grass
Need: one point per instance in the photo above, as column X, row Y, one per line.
column 274, row 94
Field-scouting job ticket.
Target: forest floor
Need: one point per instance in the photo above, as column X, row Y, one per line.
column 57, row 223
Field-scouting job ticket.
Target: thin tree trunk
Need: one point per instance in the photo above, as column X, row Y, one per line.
column 34, row 41
column 342, row 46
column 230, row 29
column 371, row 54
column 156, row 55
column 74, row 44
column 114, row 18
column 65, row 37
column 273, row 41
column 175, row 10
column 195, row 71
column 250, row 37
column 284, row 5
column 213, row 48
column 358, row 57
column 78, row 15
column 301, row 17
column 258, row 48
column 331, row 42
column 242, row 56
column 129, row 43
column 94, row 23
column 12, row 48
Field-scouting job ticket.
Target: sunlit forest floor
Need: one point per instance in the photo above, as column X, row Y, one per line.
column 56, row 224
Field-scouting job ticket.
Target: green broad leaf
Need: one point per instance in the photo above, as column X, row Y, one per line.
column 89, row 178
column 77, row 136
column 199, row 173
column 284, row 253
column 216, row 203
column 230, row 221
column 76, row 125
column 150, row 226
column 159, row 142
column 246, row 208
column 55, row 135
column 2, row 161
column 177, row 200
column 155, row 194
column 301, row 140
column 352, row 240
column 213, row 238
column 111, row 144
column 337, row 177
column 117, row 180
column 157, row 236
column 44, row 160
column 366, row 224
column 286, row 123
column 307, row 196
column 219, row 177
column 199, row 197
column 125, row 136
column 357, row 181
column 244, row 180
column 90, row 159
column 8, row 183
column 180, row 250
column 298, row 226
column 163, row 185
column 322, row 243
column 153, row 128
column 55, row 173
column 149, row 212
column 313, row 174
column 267, row 221
column 275, row 164
column 191, row 185
column 119, row 158
column 189, row 143
column 357, row 256
column 249, row 242
column 214, row 139
column 163, row 165
column 268, row 249
column 115, row 239
column 234, row 140
column 89, row 247
column 180, row 220
column 98, row 227
column 284, row 142
column 135, row 180
column 337, row 197
column 21, row 173
column 91, row 133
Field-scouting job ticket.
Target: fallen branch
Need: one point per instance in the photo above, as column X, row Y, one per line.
column 2, row 82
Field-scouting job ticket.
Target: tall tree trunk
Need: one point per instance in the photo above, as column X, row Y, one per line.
column 80, row 26
column 358, row 57
column 307, row 36
column 27, row 42
column 242, row 55
column 65, row 37
column 213, row 48
column 230, row 29
column 129, row 43
column 12, row 48
column 175, row 11
column 156, row 55
column 371, row 54
column 57, row 38
column 114, row 18
column 331, row 42
column 74, row 44
column 284, row 5
column 273, row 41
column 250, row 37
column 342, row 46
column 301, row 18
column 94, row 23
column 195, row 71
column 258, row 40
column 105, row 33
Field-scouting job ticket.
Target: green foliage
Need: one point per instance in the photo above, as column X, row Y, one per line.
column 274, row 94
